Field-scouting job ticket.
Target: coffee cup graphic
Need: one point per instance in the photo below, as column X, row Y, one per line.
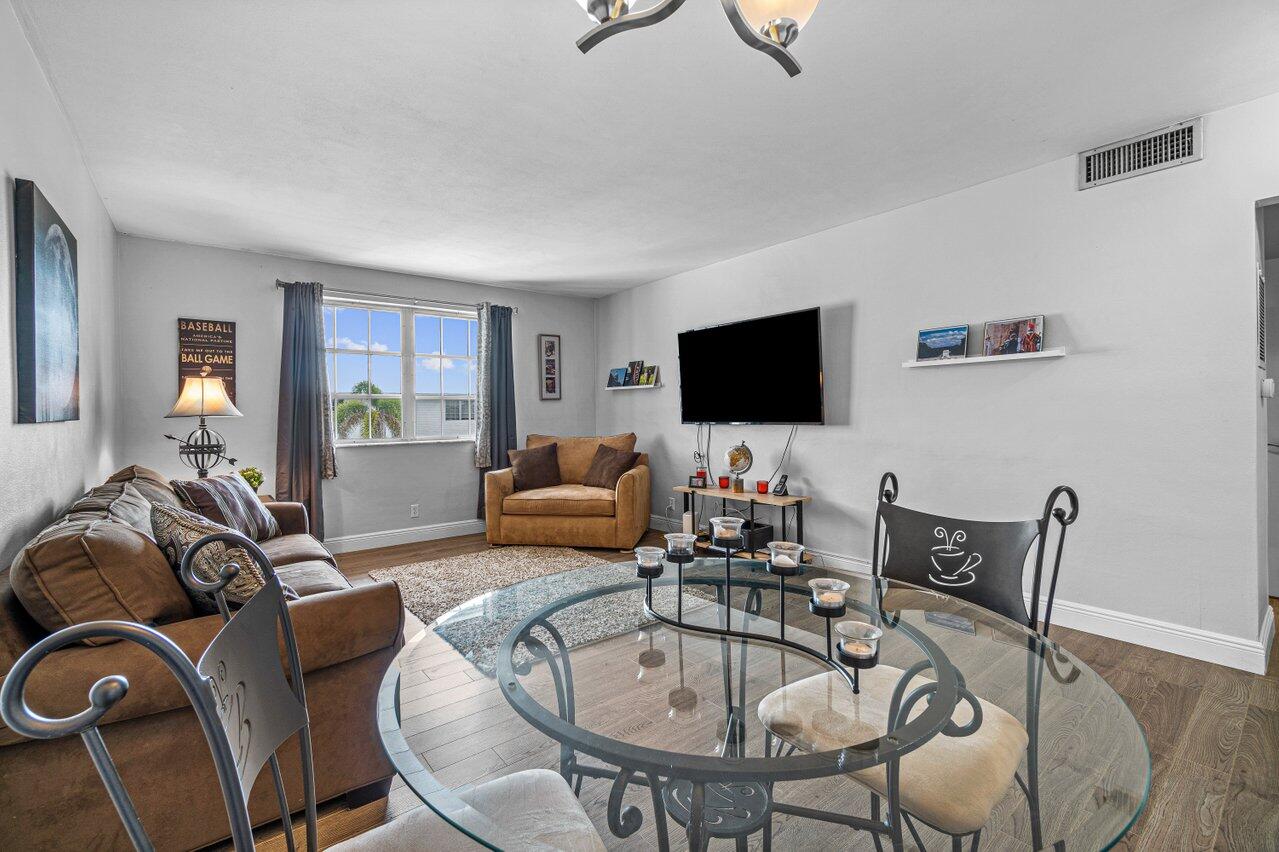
column 953, row 565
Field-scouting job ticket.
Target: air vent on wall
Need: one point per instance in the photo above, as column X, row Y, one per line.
column 1160, row 149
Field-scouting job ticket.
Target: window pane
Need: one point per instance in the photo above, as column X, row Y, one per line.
column 328, row 368
column 351, row 422
column 426, row 375
column 384, row 331
column 328, row 327
column 384, row 418
column 352, row 374
column 455, row 376
column 473, row 333
column 471, row 368
column 455, row 336
column 385, row 371
column 459, row 418
column 426, row 335
column 352, row 328
column 428, row 418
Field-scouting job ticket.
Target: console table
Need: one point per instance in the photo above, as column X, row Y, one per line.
column 754, row 498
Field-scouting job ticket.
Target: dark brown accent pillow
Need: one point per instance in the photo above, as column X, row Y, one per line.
column 608, row 466
column 229, row 501
column 535, row 468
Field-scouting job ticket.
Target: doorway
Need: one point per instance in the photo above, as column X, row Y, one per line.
column 1268, row 325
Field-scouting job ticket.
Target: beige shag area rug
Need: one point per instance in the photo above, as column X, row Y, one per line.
column 431, row 589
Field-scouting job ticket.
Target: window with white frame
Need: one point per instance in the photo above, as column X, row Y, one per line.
column 384, row 360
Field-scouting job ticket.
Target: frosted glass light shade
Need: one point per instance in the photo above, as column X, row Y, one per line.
column 759, row 13
column 604, row 10
column 203, row 396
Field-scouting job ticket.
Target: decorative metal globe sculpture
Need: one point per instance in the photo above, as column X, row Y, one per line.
column 203, row 396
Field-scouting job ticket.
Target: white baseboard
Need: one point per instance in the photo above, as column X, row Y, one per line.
column 407, row 535
column 1248, row 654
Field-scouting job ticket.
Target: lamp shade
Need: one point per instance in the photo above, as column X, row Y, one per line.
column 203, row 396
column 759, row 13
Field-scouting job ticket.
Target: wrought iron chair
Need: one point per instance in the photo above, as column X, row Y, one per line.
column 247, row 709
column 981, row 562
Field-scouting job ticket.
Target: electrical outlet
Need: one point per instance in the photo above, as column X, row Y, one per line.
column 415, row 510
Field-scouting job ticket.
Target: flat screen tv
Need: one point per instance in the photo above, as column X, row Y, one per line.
column 766, row 370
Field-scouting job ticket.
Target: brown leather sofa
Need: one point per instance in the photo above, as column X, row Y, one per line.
column 570, row 514
column 97, row 561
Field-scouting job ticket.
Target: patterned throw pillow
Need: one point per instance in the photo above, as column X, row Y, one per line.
column 177, row 529
column 228, row 500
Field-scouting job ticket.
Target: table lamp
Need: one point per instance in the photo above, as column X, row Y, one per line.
column 203, row 396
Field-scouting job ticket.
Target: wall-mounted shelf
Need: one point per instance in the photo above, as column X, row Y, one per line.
column 634, row 387
column 986, row 359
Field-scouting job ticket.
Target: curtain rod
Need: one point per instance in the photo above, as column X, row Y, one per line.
column 396, row 299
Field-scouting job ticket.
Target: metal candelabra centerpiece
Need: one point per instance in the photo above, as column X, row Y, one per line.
column 858, row 646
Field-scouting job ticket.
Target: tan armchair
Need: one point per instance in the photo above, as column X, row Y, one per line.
column 570, row 514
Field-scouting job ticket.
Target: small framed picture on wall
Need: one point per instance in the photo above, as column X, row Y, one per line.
column 548, row 357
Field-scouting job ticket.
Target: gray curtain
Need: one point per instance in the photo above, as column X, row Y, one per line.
column 495, row 426
column 304, row 432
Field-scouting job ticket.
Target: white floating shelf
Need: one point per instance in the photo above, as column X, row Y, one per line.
column 986, row 359
column 634, row 387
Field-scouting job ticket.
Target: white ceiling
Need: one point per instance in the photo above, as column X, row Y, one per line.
column 470, row 139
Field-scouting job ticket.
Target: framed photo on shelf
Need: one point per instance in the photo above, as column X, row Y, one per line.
column 548, row 356
column 697, row 482
column 1014, row 336
column 617, row 377
column 649, row 376
column 633, row 372
column 947, row 342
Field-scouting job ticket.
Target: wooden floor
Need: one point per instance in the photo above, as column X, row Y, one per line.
column 1213, row 731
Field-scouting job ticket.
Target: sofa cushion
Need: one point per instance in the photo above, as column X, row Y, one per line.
column 86, row 570
column 150, row 484
column 312, row 577
column 177, row 529
column 536, row 467
column 608, row 466
column 113, row 501
column 576, row 454
column 562, row 500
column 228, row 500
column 289, row 549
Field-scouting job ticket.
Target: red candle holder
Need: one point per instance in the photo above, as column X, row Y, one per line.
column 701, row 471
column 761, row 485
column 723, row 482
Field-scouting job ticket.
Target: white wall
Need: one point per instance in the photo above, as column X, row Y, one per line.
column 1153, row 416
column 46, row 465
column 161, row 281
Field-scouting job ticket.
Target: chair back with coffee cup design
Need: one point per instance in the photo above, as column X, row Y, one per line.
column 981, row 562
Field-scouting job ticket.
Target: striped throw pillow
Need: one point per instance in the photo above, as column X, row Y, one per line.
column 228, row 500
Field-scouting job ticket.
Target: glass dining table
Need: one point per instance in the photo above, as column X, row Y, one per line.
column 713, row 705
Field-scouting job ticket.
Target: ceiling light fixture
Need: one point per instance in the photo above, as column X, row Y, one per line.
column 769, row 26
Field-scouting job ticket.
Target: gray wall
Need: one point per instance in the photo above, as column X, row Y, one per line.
column 46, row 465
column 161, row 281
column 1153, row 417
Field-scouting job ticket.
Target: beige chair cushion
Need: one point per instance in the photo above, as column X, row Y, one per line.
column 562, row 500
column 952, row 783
column 533, row 810
column 576, row 454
